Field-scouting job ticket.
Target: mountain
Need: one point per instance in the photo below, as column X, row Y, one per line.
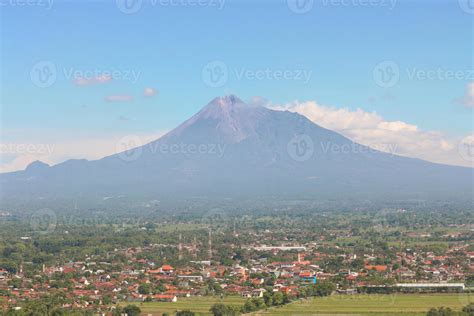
column 231, row 149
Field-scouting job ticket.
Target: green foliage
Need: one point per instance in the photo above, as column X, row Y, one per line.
column 469, row 309
column 131, row 310
column 249, row 306
column 323, row 289
column 268, row 298
column 220, row 309
column 278, row 299
column 144, row 288
column 441, row 311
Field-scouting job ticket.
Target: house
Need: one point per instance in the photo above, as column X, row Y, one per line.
column 195, row 278
column 246, row 294
column 307, row 277
column 167, row 269
column 165, row 298
column 378, row 268
column 258, row 292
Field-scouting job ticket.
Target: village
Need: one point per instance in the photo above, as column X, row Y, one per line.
column 126, row 275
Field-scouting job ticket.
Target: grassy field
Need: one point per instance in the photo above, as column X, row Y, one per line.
column 374, row 305
column 395, row 304
column 199, row 305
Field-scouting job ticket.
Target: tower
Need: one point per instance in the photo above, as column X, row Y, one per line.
column 195, row 249
column 180, row 248
column 210, row 245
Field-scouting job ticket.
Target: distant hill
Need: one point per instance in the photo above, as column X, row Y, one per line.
column 231, row 149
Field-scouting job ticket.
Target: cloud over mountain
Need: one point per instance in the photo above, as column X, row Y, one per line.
column 371, row 129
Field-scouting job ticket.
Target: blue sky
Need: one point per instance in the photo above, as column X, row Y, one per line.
column 167, row 45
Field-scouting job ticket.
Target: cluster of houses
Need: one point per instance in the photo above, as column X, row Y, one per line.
column 93, row 282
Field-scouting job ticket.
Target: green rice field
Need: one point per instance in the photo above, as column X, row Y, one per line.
column 371, row 304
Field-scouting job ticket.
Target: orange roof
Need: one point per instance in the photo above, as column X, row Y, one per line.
column 303, row 263
column 164, row 296
column 166, row 267
column 376, row 268
column 305, row 274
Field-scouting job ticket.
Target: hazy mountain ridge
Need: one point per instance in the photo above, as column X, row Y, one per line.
column 230, row 148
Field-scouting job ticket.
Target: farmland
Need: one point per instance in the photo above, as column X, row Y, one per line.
column 199, row 305
column 395, row 304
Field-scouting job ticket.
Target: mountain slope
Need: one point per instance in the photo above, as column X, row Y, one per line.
column 233, row 149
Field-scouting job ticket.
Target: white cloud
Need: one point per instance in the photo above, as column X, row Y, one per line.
column 371, row 129
column 17, row 155
column 86, row 81
column 468, row 99
column 119, row 98
column 149, row 92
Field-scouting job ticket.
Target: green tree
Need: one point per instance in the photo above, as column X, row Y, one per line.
column 131, row 310
column 441, row 311
column 268, row 298
column 323, row 289
column 220, row 309
column 469, row 309
column 185, row 313
column 144, row 288
column 278, row 298
column 249, row 306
